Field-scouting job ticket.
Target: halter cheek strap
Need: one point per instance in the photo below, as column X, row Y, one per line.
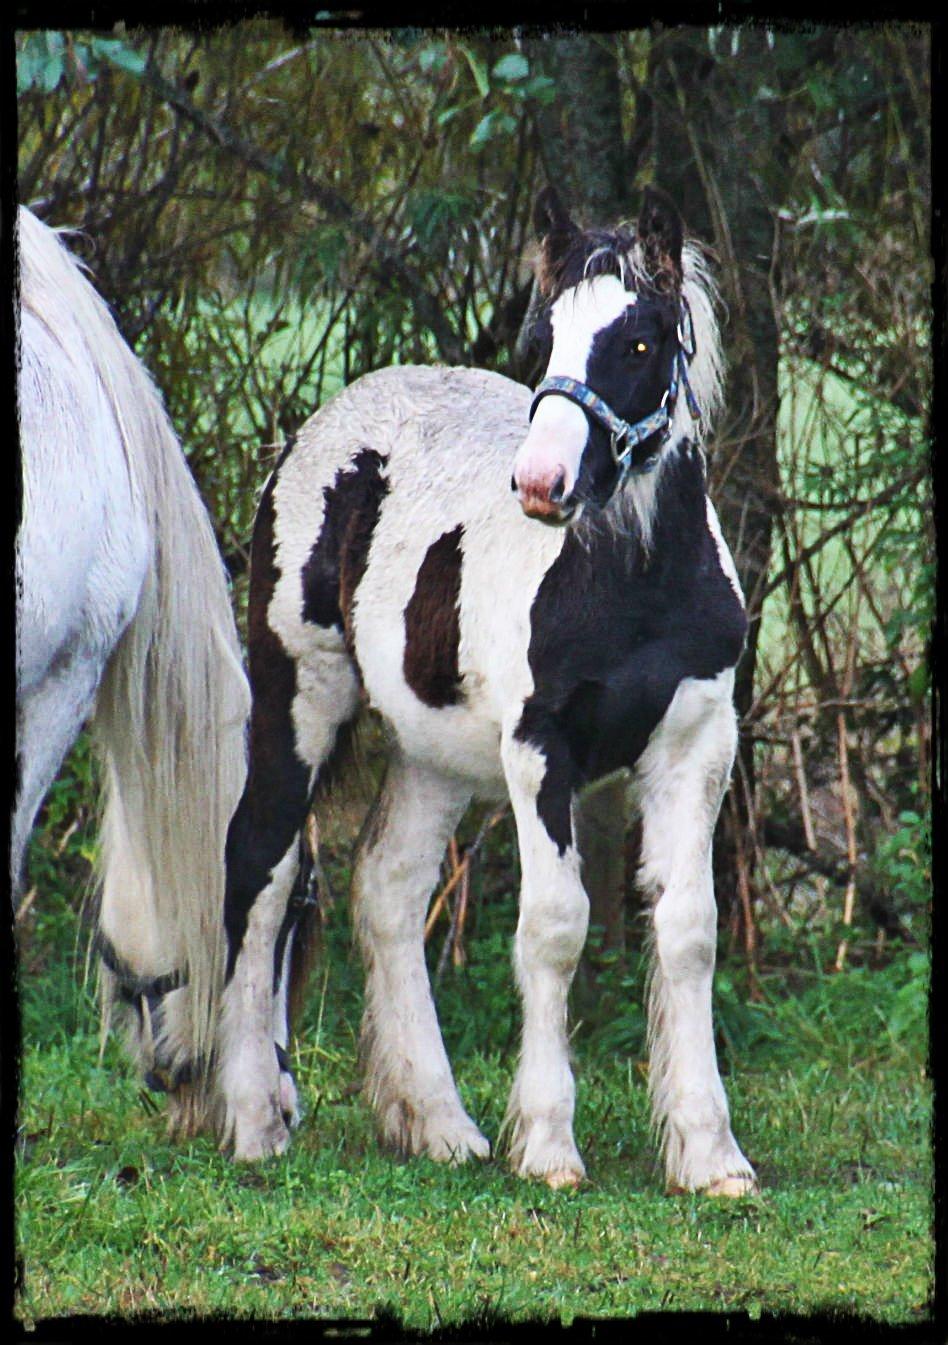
column 618, row 428
column 621, row 431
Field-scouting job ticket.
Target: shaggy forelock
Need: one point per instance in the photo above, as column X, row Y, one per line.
column 601, row 252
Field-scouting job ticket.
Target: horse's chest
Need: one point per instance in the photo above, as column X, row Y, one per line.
column 610, row 647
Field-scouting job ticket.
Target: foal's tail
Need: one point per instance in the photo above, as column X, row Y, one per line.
column 169, row 723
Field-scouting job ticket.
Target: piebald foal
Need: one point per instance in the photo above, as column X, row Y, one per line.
column 393, row 565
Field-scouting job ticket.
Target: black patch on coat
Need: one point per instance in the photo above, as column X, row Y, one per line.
column 432, row 624
column 276, row 794
column 337, row 561
column 613, row 633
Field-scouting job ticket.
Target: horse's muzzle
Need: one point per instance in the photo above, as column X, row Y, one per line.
column 544, row 498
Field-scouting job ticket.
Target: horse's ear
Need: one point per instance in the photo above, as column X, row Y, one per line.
column 556, row 230
column 661, row 234
column 550, row 215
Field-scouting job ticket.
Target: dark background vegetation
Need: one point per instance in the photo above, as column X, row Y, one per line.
column 272, row 213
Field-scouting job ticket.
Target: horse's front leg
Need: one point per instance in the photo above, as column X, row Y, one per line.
column 681, row 777
column 551, row 931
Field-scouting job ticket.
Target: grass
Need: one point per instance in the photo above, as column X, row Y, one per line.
column 829, row 1099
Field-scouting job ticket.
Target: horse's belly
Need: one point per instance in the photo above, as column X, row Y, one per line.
column 462, row 739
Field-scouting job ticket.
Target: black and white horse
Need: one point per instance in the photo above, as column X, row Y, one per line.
column 392, row 565
column 124, row 618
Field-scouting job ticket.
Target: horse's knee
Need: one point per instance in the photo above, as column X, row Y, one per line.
column 685, row 934
column 552, row 933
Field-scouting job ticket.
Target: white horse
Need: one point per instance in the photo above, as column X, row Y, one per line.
column 124, row 618
column 392, row 564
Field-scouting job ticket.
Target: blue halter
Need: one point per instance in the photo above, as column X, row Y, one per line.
column 621, row 431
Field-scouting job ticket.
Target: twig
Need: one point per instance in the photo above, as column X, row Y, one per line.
column 461, row 869
column 803, row 790
column 850, row 897
column 457, row 946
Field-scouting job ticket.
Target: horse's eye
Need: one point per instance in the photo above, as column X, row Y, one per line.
column 638, row 348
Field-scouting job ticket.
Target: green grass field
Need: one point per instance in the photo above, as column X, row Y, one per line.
column 829, row 1095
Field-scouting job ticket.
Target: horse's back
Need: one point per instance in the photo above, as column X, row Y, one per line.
column 82, row 549
column 83, row 545
column 399, row 543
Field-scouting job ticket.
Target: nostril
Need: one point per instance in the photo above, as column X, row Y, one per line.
column 558, row 488
column 513, row 483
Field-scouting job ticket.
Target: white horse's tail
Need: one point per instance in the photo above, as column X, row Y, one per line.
column 169, row 724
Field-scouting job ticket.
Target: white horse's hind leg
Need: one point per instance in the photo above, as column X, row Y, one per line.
column 407, row 1074
column 49, row 716
column 682, row 776
column 551, row 931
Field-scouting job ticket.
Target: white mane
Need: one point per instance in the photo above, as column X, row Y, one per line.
column 634, row 505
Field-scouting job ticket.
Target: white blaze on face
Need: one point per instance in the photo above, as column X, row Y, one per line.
column 553, row 449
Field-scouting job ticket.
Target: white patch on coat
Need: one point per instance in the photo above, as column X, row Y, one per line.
column 723, row 550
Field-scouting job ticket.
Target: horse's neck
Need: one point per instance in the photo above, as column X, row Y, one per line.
column 655, row 513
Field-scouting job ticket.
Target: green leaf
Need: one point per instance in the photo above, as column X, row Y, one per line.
column 511, row 67
column 482, row 131
column 119, row 54
column 918, row 682
column 489, row 126
column 51, row 72
column 433, row 57
column 541, row 88
column 27, row 69
column 478, row 70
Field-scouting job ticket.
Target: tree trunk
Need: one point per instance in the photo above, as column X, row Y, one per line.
column 710, row 130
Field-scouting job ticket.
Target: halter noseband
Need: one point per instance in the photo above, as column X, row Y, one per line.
column 621, row 430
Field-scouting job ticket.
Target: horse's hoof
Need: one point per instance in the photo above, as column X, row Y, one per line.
column 457, row 1149
column 743, row 1185
column 563, row 1179
column 254, row 1143
column 255, row 1151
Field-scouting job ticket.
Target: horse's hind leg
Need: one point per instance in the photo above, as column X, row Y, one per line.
column 49, row 717
column 407, row 1074
column 294, row 723
column 681, row 778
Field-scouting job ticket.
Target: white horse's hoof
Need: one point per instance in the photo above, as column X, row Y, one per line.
column 732, row 1187
column 253, row 1146
column 443, row 1133
column 744, row 1184
column 544, row 1157
column 563, row 1179
column 457, row 1144
column 257, row 1128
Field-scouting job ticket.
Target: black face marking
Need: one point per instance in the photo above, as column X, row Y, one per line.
column 432, row 624
column 275, row 796
column 631, row 382
column 338, row 559
column 612, row 636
